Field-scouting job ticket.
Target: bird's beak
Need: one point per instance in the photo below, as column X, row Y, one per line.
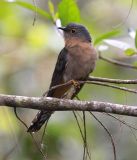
column 62, row 28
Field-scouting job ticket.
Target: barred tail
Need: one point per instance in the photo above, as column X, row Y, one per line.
column 39, row 120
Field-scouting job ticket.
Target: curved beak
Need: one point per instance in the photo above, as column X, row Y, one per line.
column 62, row 28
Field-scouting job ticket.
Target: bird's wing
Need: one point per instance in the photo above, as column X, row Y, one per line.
column 58, row 73
column 57, row 78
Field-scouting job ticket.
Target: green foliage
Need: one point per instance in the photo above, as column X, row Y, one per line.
column 68, row 11
column 130, row 52
column 53, row 14
column 51, row 7
column 28, row 6
column 107, row 35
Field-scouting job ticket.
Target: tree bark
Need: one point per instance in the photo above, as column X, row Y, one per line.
column 54, row 104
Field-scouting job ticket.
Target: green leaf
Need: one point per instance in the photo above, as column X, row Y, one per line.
column 130, row 52
column 106, row 35
column 28, row 6
column 51, row 7
column 52, row 11
column 68, row 11
column 136, row 39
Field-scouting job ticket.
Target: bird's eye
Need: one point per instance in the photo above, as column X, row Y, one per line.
column 73, row 31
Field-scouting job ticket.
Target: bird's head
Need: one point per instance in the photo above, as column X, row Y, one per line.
column 76, row 32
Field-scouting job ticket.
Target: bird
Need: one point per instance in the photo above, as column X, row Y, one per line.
column 75, row 62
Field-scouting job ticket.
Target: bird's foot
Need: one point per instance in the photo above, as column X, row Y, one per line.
column 75, row 83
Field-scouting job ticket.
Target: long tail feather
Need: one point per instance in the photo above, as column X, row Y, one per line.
column 39, row 120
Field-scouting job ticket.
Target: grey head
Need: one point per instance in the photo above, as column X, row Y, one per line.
column 76, row 31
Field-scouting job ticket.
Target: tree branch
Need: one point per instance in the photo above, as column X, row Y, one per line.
column 122, row 64
column 100, row 81
column 110, row 85
column 54, row 104
column 116, row 81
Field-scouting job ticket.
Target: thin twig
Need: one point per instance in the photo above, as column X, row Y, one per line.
column 109, row 80
column 122, row 64
column 110, row 85
column 79, row 115
column 78, row 124
column 39, row 149
column 15, row 111
column 109, row 134
column 85, row 136
column 123, row 122
column 57, row 86
column 44, row 131
column 132, row 132
column 126, row 124
column 79, row 127
column 35, row 14
column 125, row 19
column 99, row 81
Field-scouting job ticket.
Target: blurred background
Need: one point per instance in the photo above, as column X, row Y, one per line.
column 28, row 53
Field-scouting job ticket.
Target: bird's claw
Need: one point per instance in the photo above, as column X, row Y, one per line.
column 75, row 83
